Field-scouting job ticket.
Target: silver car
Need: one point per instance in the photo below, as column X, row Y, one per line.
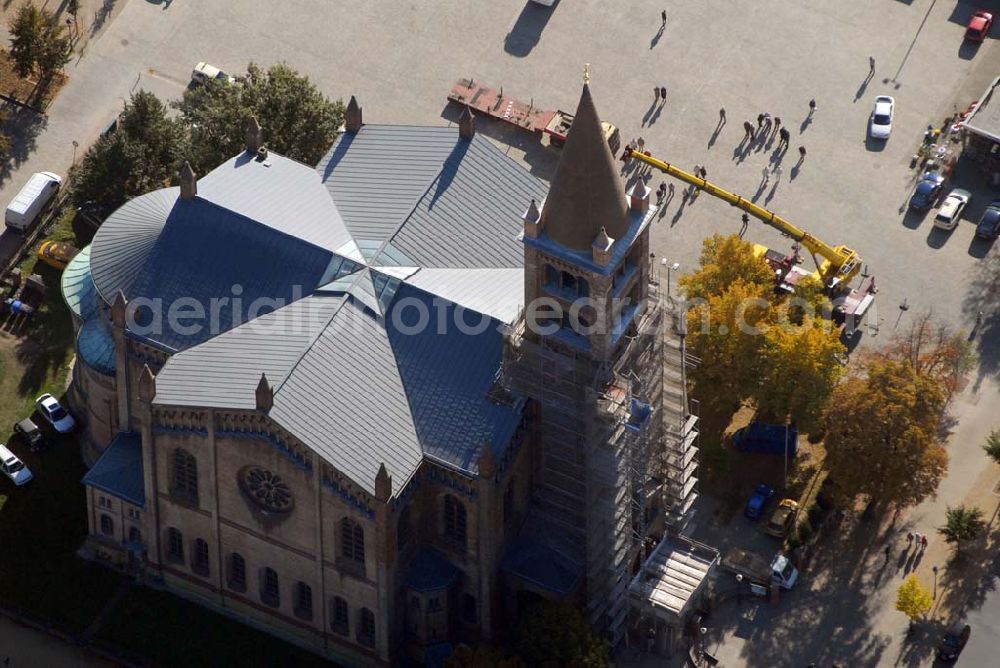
column 880, row 126
column 951, row 209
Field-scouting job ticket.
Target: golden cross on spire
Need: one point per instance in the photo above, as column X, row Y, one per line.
column 586, row 74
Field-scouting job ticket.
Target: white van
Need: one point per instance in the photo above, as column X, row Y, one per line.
column 35, row 194
column 13, row 467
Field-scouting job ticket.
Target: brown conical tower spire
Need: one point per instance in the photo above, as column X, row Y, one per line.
column 586, row 193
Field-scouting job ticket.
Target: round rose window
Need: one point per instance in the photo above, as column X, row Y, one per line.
column 265, row 489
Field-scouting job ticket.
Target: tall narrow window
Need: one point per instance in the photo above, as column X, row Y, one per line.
column 338, row 617
column 508, row 501
column 366, row 628
column 199, row 558
column 269, row 592
column 107, row 525
column 175, row 545
column 404, row 529
column 352, row 543
column 454, row 519
column 303, row 601
column 237, row 572
column 185, row 476
column 134, row 535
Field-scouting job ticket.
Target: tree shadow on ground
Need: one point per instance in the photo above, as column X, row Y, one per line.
column 826, row 619
column 47, row 341
column 23, row 127
column 966, row 580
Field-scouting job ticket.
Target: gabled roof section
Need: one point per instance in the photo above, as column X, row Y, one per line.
column 280, row 193
column 447, row 372
column 223, row 372
column 497, row 293
column 587, row 192
column 470, row 216
column 442, row 200
column 345, row 400
column 119, row 470
column 195, row 259
column 376, row 175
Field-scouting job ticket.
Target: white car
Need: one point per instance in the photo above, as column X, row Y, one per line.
column 57, row 416
column 951, row 209
column 13, row 467
column 880, row 126
column 203, row 73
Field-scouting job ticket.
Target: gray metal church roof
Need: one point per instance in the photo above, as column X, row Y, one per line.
column 411, row 216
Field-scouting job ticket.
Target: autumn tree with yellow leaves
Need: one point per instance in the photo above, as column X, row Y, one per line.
column 913, row 599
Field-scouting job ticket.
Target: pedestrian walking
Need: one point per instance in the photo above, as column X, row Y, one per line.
column 760, row 121
column 812, row 107
column 802, row 153
column 777, row 124
column 923, row 542
column 909, row 539
column 785, row 136
column 748, row 130
column 656, row 93
column 670, row 190
column 777, row 173
column 663, row 19
column 663, row 94
column 722, row 115
column 871, row 65
column 704, row 173
column 641, row 143
column 765, row 176
column 886, row 552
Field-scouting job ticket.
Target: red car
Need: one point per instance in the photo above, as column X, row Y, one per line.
column 979, row 26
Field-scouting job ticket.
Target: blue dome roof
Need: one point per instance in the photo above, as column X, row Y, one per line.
column 78, row 289
column 96, row 346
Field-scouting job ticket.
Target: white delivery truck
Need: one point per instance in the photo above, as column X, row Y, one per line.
column 35, row 194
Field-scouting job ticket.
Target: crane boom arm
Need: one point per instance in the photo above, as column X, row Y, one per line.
column 843, row 262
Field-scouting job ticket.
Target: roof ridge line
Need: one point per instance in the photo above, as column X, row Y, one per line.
column 319, row 333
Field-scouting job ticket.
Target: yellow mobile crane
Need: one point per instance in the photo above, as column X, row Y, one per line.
column 839, row 265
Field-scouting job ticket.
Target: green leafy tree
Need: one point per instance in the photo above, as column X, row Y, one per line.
column 992, row 445
column 913, row 599
column 882, row 437
column 55, row 49
column 723, row 262
column 28, row 29
column 800, row 367
column 962, row 524
column 482, row 656
column 298, row 120
column 557, row 634
column 143, row 154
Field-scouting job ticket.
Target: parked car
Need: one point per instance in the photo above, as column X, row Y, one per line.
column 979, row 26
column 880, row 124
column 56, row 254
column 989, row 225
column 771, row 439
column 782, row 518
column 953, row 641
column 203, row 73
column 13, row 467
column 951, row 209
column 31, row 199
column 758, row 501
column 55, row 414
column 30, row 432
column 927, row 191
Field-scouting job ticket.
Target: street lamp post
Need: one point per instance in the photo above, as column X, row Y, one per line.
column 739, row 588
column 935, row 569
column 703, row 631
column 76, row 145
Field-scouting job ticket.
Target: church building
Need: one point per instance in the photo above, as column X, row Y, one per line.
column 379, row 406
